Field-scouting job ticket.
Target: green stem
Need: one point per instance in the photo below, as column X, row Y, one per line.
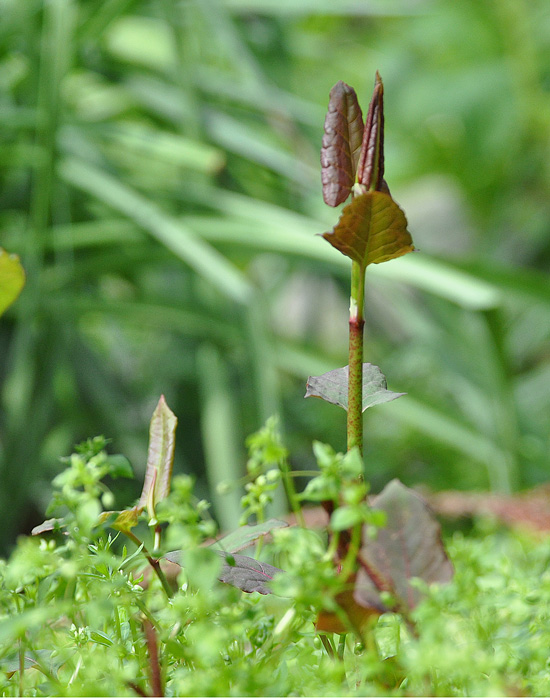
column 355, row 376
column 341, row 646
column 291, row 493
column 328, row 646
column 154, row 563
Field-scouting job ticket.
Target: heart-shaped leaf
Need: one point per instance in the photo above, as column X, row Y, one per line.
column 341, row 144
column 160, row 458
column 242, row 572
column 372, row 229
column 408, row 547
column 333, row 387
column 12, row 279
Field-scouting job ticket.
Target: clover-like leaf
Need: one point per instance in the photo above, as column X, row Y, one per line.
column 12, row 279
column 160, row 457
column 372, row 229
column 408, row 547
column 333, row 387
column 341, row 144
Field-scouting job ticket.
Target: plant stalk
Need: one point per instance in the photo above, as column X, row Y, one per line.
column 355, row 368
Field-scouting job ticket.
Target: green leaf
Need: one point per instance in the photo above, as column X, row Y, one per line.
column 246, row 535
column 333, row 387
column 160, row 457
column 408, row 547
column 123, row 520
column 341, row 144
column 372, row 229
column 346, row 516
column 119, row 466
column 12, row 279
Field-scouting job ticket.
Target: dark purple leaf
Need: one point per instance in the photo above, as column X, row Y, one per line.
column 409, row 546
column 246, row 573
column 341, row 144
column 333, row 387
column 242, row 572
column 370, row 170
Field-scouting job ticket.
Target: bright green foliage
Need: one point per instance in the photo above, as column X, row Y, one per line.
column 160, row 183
column 72, row 613
column 12, row 279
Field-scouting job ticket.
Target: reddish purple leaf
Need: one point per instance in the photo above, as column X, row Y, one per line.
column 242, row 572
column 370, row 170
column 341, row 144
column 372, row 229
column 246, row 573
column 409, row 546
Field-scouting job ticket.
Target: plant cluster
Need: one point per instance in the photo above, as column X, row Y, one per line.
column 365, row 606
column 79, row 618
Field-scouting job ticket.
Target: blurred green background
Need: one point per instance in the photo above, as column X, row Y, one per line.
column 160, row 180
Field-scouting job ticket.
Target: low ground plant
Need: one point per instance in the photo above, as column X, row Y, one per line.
column 152, row 600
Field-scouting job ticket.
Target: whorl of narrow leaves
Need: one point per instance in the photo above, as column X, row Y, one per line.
column 341, row 144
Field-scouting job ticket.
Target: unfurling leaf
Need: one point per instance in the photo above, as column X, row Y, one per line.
column 333, row 387
column 372, row 229
column 370, row 169
column 12, row 279
column 341, row 144
column 408, row 547
column 242, row 572
column 160, row 457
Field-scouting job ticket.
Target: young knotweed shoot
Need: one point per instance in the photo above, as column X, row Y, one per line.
column 372, row 229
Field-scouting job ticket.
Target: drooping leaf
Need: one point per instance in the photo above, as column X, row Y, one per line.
column 341, row 144
column 372, row 229
column 408, row 547
column 246, row 535
column 50, row 525
column 242, row 572
column 12, row 279
column 370, row 169
column 160, row 457
column 246, row 573
column 333, row 387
